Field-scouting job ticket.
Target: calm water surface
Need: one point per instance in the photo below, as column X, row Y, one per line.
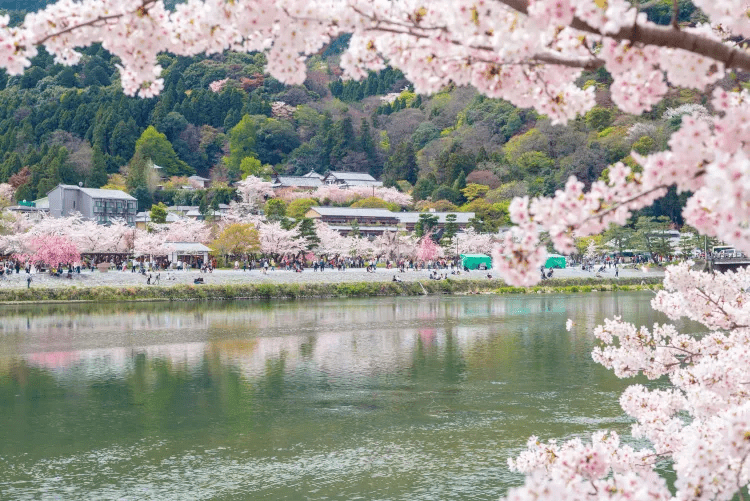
column 372, row 399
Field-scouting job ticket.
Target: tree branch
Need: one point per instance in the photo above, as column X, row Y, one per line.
column 141, row 9
column 662, row 36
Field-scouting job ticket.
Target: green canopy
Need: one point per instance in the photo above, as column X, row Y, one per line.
column 475, row 261
column 555, row 261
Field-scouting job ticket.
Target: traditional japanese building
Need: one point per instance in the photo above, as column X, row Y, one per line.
column 350, row 179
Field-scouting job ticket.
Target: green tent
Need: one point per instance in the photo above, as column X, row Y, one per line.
column 475, row 261
column 555, row 261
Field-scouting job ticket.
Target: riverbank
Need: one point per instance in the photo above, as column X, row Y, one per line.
column 270, row 290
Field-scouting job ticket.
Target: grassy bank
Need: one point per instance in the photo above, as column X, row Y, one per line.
column 291, row 291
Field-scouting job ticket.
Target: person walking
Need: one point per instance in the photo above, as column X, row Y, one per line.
column 28, row 282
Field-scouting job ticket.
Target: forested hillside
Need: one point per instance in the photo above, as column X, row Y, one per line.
column 221, row 117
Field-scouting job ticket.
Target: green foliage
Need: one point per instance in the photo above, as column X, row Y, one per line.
column 449, row 193
column 275, row 209
column 306, row 229
column 533, row 163
column 425, row 224
column 402, row 165
column 472, row 191
column 158, row 213
column 375, row 83
column 251, row 166
column 451, row 228
column 298, row 208
column 488, row 217
column 532, row 140
column 143, row 196
column 644, row 145
column 651, row 235
column 308, row 290
column 620, row 236
column 376, row 203
column 237, row 240
column 155, row 146
column 599, row 118
column 241, row 143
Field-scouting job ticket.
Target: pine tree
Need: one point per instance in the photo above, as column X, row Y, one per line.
column 98, row 176
column 366, row 142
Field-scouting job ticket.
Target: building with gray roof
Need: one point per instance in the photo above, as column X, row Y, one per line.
column 345, row 179
column 347, row 215
column 301, row 182
column 95, row 204
column 376, row 220
column 409, row 219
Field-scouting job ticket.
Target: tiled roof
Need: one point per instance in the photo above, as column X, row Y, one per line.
column 312, row 182
column 362, row 228
column 351, row 176
column 352, row 182
column 353, row 212
column 413, row 217
column 145, row 217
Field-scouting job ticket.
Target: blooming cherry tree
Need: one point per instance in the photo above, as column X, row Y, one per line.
column 6, row 193
column 276, row 241
column 331, row 242
column 51, row 250
column 253, row 190
column 471, row 242
column 428, row 249
column 186, row 230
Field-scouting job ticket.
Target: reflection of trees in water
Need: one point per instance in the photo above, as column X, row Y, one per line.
column 439, row 359
column 40, row 411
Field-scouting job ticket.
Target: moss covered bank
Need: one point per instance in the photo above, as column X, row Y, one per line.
column 291, row 291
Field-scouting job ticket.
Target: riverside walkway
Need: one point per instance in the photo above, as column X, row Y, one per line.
column 237, row 277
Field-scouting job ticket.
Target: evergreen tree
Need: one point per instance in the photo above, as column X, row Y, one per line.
column 401, row 165
column 138, row 172
column 306, row 229
column 158, row 213
column 366, row 142
column 98, row 176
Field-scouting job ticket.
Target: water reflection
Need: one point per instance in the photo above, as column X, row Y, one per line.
column 394, row 398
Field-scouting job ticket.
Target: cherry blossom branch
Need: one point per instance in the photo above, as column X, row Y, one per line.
column 732, row 324
column 739, row 471
column 141, row 10
column 661, row 36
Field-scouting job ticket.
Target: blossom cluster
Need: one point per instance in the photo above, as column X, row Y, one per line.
column 701, row 423
column 6, row 192
column 334, row 194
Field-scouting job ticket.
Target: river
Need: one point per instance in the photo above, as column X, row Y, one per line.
column 360, row 399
